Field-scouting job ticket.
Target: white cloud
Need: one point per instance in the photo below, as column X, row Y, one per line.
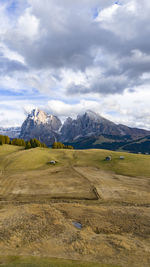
column 10, row 115
column 10, row 54
column 4, row 20
column 63, row 109
column 107, row 14
column 77, row 61
column 28, row 25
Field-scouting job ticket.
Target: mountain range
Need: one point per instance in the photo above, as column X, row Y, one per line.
column 89, row 130
column 12, row 132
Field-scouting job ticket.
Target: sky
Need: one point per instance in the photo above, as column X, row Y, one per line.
column 67, row 56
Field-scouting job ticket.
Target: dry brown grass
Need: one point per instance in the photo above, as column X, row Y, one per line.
column 114, row 188
column 42, row 185
column 39, row 203
column 110, row 235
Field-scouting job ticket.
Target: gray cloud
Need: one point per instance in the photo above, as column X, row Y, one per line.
column 8, row 66
column 63, row 35
column 109, row 85
column 65, row 38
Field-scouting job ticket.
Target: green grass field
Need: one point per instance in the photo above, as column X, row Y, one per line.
column 15, row 158
column 16, row 261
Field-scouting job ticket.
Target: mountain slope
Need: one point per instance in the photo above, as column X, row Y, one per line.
column 41, row 126
column 92, row 124
column 89, row 130
column 141, row 145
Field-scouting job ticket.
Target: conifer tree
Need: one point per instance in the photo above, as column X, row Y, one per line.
column 59, row 145
column 28, row 145
column 7, row 140
column 2, row 139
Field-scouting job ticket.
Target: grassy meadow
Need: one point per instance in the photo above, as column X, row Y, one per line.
column 16, row 158
column 14, row 261
column 40, row 204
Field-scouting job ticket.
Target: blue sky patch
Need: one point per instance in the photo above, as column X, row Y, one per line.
column 95, row 12
column 12, row 7
column 22, row 95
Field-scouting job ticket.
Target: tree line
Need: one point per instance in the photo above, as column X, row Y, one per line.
column 4, row 139
column 59, row 145
column 32, row 143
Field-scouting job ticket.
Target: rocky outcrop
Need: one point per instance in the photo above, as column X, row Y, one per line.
column 92, row 124
column 48, row 128
column 42, row 126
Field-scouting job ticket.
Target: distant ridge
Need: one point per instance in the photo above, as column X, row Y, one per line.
column 92, row 124
column 12, row 132
column 86, row 131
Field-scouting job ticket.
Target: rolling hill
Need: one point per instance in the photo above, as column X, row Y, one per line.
column 41, row 206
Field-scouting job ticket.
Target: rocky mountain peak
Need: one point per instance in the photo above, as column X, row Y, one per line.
column 68, row 121
column 48, row 128
column 88, row 123
column 40, row 125
column 35, row 112
column 91, row 115
column 38, row 116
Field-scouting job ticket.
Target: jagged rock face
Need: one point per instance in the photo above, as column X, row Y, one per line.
column 87, row 124
column 41, row 126
column 48, row 128
column 92, row 124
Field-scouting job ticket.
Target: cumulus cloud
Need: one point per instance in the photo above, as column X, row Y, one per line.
column 74, row 52
column 112, row 108
column 63, row 109
column 60, row 35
